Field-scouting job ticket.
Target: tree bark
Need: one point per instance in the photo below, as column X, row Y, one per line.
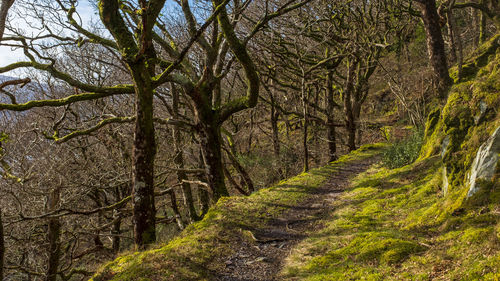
column 456, row 41
column 482, row 26
column 143, row 159
column 234, row 183
column 211, row 144
column 54, row 235
column 275, row 136
column 350, row 121
column 138, row 52
column 435, row 45
column 116, row 231
column 330, row 129
column 275, row 131
column 4, row 12
column 203, row 195
column 179, row 161
column 305, row 97
column 2, row 247
column 175, row 208
column 241, row 170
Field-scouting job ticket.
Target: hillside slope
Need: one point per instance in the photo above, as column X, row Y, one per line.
column 207, row 250
column 418, row 222
column 436, row 219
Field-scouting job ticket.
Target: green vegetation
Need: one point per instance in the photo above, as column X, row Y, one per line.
column 395, row 222
column 195, row 254
column 403, row 152
column 400, row 224
column 394, row 225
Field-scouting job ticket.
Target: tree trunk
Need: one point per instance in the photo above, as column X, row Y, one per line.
column 350, row 123
column 175, row 208
column 357, row 114
column 234, row 183
column 211, row 144
column 54, row 235
column 2, row 247
column 275, row 137
column 203, row 195
column 305, row 97
column 482, row 26
column 275, row 132
column 330, row 129
column 250, row 133
column 435, row 45
column 179, row 161
column 54, row 249
column 116, row 231
column 4, row 12
column 143, row 159
column 241, row 170
column 456, row 41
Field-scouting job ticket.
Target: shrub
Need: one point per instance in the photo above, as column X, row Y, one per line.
column 403, row 152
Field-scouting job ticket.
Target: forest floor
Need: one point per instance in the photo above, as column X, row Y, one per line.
column 353, row 219
column 274, row 240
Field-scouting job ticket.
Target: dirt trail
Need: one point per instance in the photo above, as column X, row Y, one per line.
column 263, row 259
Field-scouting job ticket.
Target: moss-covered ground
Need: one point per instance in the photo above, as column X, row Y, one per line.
column 397, row 225
column 195, row 254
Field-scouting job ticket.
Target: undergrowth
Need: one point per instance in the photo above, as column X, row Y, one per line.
column 403, row 152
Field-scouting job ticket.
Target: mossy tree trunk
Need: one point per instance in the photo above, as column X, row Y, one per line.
column 455, row 39
column 143, row 158
column 203, row 196
column 347, row 96
column 274, row 117
column 483, row 32
column 53, row 237
column 179, row 160
column 305, row 97
column 246, row 180
column 359, row 71
column 116, row 232
column 211, row 144
column 210, row 113
column 435, row 45
column 139, row 56
column 330, row 129
column 2, row 246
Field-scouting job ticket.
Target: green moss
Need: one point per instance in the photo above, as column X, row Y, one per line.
column 432, row 120
column 396, row 225
column 194, row 254
column 475, row 235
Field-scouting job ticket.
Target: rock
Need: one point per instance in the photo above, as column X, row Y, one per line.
column 444, row 146
column 445, row 182
column 485, row 163
column 483, row 106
